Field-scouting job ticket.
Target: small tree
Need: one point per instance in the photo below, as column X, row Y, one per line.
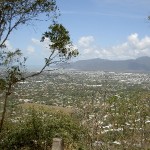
column 15, row 13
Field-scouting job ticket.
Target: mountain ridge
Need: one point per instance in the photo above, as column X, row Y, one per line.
column 141, row 64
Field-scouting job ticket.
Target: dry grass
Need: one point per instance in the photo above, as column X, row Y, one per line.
column 47, row 108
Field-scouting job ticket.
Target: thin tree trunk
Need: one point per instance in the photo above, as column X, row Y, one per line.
column 4, row 108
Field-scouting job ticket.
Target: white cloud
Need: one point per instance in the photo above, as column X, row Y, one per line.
column 35, row 41
column 133, row 38
column 87, row 47
column 134, row 47
column 86, row 41
column 9, row 46
column 30, row 49
column 43, row 46
column 111, row 14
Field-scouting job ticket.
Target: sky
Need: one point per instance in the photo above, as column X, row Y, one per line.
column 107, row 29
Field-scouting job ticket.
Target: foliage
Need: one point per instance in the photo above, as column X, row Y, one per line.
column 14, row 13
column 59, row 41
column 36, row 130
column 122, row 122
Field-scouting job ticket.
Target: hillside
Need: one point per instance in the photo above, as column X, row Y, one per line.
column 141, row 64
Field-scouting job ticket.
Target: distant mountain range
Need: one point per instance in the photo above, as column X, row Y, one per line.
column 141, row 64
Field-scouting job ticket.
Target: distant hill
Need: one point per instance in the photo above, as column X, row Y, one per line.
column 141, row 64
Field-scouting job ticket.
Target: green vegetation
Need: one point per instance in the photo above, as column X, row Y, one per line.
column 104, row 112
column 35, row 129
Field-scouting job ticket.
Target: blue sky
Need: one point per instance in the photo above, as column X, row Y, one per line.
column 109, row 29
